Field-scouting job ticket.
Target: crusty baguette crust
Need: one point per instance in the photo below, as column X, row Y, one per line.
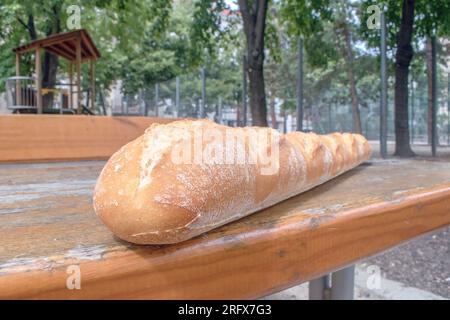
column 146, row 197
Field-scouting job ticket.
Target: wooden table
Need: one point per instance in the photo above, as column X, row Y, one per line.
column 47, row 224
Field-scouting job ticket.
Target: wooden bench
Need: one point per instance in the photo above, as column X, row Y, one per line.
column 47, row 225
column 49, row 229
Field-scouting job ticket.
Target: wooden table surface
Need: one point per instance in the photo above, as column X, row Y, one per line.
column 47, row 224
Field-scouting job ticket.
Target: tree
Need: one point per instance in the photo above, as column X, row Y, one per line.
column 408, row 21
column 254, row 21
column 403, row 59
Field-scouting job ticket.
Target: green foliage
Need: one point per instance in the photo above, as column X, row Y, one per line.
column 432, row 17
column 192, row 34
column 306, row 17
column 206, row 28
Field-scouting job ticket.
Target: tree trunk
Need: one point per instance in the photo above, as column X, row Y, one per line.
column 356, row 117
column 254, row 21
column 51, row 61
column 31, row 27
column 345, row 44
column 403, row 59
column 50, row 69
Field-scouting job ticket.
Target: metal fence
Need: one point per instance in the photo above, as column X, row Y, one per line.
column 191, row 96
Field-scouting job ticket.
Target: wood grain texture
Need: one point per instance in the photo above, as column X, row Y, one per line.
column 57, row 137
column 47, row 223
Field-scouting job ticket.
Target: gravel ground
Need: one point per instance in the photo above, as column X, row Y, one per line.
column 423, row 263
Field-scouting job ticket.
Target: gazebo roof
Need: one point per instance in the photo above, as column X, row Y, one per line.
column 63, row 44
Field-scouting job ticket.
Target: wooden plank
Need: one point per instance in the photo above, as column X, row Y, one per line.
column 38, row 81
column 44, row 43
column 71, row 85
column 63, row 137
column 48, row 224
column 59, row 52
column 85, row 54
column 89, row 44
column 18, row 90
column 59, row 38
column 88, row 40
column 67, row 45
column 78, row 70
column 92, row 82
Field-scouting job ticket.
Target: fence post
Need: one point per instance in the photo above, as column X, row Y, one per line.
column 448, row 109
column 156, row 100
column 383, row 100
column 220, row 116
column 202, row 105
column 412, row 108
column 144, row 95
column 244, row 90
column 329, row 118
column 300, row 86
column 434, row 97
column 177, row 96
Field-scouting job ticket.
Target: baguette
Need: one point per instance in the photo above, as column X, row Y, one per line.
column 181, row 179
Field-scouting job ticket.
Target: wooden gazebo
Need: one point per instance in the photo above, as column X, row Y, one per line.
column 75, row 46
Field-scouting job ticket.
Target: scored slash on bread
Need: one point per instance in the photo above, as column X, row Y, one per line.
column 184, row 178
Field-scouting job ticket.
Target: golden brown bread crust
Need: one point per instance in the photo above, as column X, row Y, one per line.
column 146, row 195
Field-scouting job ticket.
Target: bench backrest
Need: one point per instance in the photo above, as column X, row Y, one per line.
column 30, row 138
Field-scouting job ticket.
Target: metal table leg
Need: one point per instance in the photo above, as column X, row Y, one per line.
column 337, row 286
column 319, row 289
column 343, row 284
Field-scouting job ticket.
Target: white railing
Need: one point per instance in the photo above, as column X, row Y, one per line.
column 20, row 93
column 21, row 96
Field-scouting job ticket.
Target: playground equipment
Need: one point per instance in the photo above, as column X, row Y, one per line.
column 27, row 94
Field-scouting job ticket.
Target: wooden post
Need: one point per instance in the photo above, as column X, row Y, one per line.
column 70, row 85
column 92, row 76
column 18, row 91
column 78, row 67
column 38, row 81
